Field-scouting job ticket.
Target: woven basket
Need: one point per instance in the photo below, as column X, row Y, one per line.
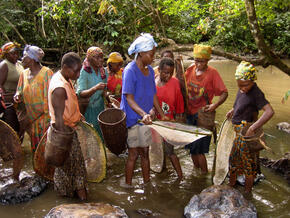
column 206, row 119
column 10, row 147
column 113, row 125
column 255, row 142
column 58, row 145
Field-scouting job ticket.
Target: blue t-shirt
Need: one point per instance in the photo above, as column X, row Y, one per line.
column 142, row 87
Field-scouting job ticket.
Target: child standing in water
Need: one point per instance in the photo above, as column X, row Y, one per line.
column 138, row 98
column 249, row 100
column 171, row 102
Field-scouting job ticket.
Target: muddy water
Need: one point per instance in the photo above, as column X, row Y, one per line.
column 165, row 196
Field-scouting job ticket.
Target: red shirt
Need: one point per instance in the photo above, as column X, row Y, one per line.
column 170, row 98
column 208, row 82
column 115, row 84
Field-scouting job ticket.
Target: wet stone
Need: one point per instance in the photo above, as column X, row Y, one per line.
column 281, row 166
column 97, row 210
column 284, row 126
column 220, row 201
column 26, row 189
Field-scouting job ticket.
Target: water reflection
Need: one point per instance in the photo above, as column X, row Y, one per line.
column 165, row 196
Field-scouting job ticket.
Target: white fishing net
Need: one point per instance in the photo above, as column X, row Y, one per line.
column 179, row 134
column 223, row 151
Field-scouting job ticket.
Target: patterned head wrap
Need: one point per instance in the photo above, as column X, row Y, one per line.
column 91, row 52
column 201, row 51
column 115, row 57
column 246, row 71
column 145, row 42
column 8, row 47
column 33, row 52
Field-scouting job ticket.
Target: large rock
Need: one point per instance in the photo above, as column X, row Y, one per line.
column 281, row 166
column 22, row 191
column 220, row 201
column 284, row 126
column 98, row 210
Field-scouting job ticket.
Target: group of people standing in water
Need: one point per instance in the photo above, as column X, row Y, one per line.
column 166, row 93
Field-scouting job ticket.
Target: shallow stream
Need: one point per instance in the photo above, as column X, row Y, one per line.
column 165, row 196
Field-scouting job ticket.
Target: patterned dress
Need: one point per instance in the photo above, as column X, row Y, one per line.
column 96, row 104
column 34, row 93
column 71, row 176
column 242, row 161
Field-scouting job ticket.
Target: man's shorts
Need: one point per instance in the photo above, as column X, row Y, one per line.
column 139, row 136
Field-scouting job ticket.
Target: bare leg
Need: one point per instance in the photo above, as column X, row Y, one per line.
column 145, row 164
column 82, row 194
column 249, row 183
column 195, row 161
column 202, row 163
column 175, row 163
column 130, row 165
column 17, row 166
column 17, row 162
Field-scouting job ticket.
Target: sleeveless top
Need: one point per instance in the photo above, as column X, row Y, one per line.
column 14, row 71
column 71, row 114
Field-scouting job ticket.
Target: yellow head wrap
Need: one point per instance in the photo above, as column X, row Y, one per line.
column 201, row 51
column 115, row 57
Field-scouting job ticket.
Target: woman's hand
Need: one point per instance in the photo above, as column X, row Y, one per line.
column 17, row 98
column 210, row 108
column 250, row 132
column 230, row 113
column 146, row 119
column 165, row 118
column 100, row 86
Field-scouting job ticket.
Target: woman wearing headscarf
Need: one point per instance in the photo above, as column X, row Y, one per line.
column 10, row 70
column 92, row 83
column 203, row 83
column 115, row 70
column 32, row 90
column 138, row 99
column 249, row 101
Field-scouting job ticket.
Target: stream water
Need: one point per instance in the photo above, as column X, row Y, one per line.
column 164, row 195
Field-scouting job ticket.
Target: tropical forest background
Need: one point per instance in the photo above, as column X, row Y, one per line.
column 235, row 28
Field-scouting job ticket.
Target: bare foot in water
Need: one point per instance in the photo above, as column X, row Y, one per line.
column 82, row 194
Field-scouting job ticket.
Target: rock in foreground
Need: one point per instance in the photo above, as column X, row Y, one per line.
column 220, row 201
column 22, row 191
column 86, row 210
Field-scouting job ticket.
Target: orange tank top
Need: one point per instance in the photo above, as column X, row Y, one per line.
column 71, row 114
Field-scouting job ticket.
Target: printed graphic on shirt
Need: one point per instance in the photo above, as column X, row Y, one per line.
column 165, row 108
column 195, row 91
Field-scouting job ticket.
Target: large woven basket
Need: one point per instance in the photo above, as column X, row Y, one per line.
column 58, row 145
column 206, row 119
column 113, row 125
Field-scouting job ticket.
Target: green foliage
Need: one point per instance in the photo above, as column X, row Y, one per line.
column 113, row 24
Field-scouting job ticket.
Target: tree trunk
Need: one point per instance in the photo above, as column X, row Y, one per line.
column 270, row 57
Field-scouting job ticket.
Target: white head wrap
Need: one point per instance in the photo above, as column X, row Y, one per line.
column 145, row 42
column 33, row 52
